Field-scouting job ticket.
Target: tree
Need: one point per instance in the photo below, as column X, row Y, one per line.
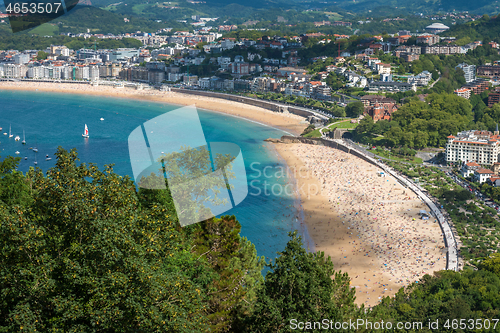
column 42, row 55
column 85, row 255
column 300, row 286
column 237, row 271
column 491, row 264
column 366, row 125
column 354, row 109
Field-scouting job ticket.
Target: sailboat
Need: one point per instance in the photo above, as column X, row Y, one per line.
column 35, row 149
column 17, row 138
column 35, row 160
column 24, row 139
column 85, row 132
column 47, row 158
column 10, row 134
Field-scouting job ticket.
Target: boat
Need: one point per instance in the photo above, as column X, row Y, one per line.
column 35, row 149
column 4, row 133
column 47, row 158
column 24, row 139
column 25, row 157
column 101, row 120
column 10, row 134
column 17, row 153
column 85, row 132
column 35, row 160
column 17, row 138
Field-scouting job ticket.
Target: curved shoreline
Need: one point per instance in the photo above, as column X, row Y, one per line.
column 289, row 123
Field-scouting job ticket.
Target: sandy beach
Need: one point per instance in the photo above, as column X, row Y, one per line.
column 368, row 224
column 288, row 122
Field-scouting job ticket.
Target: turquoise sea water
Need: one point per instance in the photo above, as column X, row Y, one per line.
column 52, row 120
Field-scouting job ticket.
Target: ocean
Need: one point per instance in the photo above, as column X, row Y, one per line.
column 51, row 120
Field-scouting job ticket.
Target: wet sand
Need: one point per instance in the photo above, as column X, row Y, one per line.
column 368, row 224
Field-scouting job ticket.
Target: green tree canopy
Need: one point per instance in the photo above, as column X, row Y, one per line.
column 354, row 109
column 300, row 286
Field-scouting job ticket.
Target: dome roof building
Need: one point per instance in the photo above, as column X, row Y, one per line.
column 436, row 28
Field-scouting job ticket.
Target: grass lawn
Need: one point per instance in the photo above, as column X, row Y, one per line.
column 46, row 29
column 384, row 153
column 343, row 124
column 313, row 134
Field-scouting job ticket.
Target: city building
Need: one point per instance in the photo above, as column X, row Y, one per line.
column 463, row 92
column 383, row 68
column 482, row 175
column 477, row 86
column 421, row 79
column 493, row 98
column 468, row 169
column 391, row 86
column 409, row 57
column 488, row 71
column 428, row 39
column 436, row 28
column 379, row 107
column 469, row 71
column 482, row 147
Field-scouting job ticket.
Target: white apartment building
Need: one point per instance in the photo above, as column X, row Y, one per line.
column 469, row 71
column 482, row 175
column 14, row 71
column 383, row 68
column 463, row 92
column 469, row 168
column 482, row 147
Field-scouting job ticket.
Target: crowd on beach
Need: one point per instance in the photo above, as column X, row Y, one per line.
column 373, row 220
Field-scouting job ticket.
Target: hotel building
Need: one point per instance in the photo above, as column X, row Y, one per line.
column 482, row 147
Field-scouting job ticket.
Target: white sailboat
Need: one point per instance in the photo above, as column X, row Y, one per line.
column 17, row 153
column 10, row 134
column 85, row 132
column 47, row 158
column 17, row 138
column 24, row 139
column 35, row 160
column 35, row 149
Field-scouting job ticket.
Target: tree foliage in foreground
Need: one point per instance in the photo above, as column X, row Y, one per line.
column 302, row 286
column 446, row 296
column 83, row 251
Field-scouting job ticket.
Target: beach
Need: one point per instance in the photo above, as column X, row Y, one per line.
column 367, row 223
column 288, row 122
